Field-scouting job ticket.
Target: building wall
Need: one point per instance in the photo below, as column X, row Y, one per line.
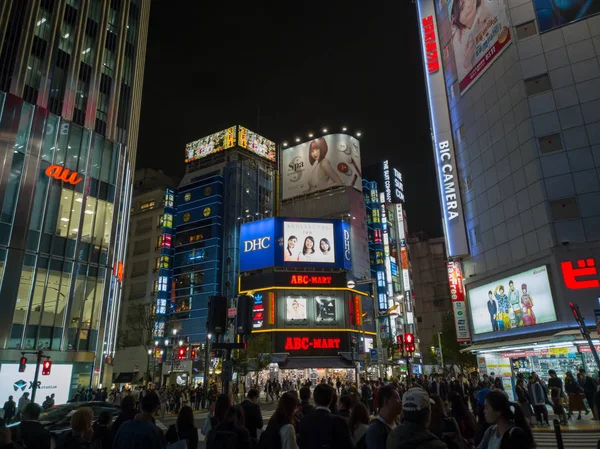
column 430, row 283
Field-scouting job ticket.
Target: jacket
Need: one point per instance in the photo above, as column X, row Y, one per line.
column 413, row 436
column 139, row 434
column 32, row 435
column 174, row 434
column 514, row 438
column 321, row 428
column 252, row 417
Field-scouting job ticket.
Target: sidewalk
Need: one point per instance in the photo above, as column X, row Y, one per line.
column 585, row 424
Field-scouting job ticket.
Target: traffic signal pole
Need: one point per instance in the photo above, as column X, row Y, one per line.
column 584, row 332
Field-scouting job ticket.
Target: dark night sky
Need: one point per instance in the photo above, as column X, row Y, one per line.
column 286, row 68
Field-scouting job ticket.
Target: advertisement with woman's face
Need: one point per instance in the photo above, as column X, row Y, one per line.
column 321, row 163
column 308, row 242
column 521, row 300
column 295, row 308
column 473, row 33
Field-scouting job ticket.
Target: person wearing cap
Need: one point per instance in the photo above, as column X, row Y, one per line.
column 413, row 433
column 390, row 407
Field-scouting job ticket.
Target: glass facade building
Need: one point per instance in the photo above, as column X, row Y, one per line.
column 71, row 75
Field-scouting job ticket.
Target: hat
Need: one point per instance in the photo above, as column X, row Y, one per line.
column 415, row 400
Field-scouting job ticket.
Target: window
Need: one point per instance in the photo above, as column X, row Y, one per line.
column 162, row 283
column 141, row 246
column 168, row 221
column 161, row 262
column 147, row 205
column 157, row 264
column 158, row 241
column 161, row 306
column 166, row 241
column 155, row 287
column 169, row 198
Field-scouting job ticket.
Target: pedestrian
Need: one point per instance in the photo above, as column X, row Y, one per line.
column 390, row 406
column 416, row 415
column 322, row 428
column 80, row 435
column 280, row 432
column 589, row 386
column 10, row 410
column 509, row 428
column 23, row 401
column 252, row 414
column 230, row 432
column 524, row 400
column 359, row 423
column 345, row 406
column 221, row 406
column 183, row 429
column 31, row 433
column 127, row 413
column 575, row 394
column 103, row 435
column 555, row 384
column 141, row 432
column 464, row 418
column 305, row 404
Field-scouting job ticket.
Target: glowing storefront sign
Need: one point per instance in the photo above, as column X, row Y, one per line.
column 457, row 293
column 433, row 62
column 573, row 275
column 305, row 343
column 63, row 174
column 300, row 279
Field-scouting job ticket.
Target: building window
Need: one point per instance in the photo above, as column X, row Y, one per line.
column 161, row 262
column 166, row 220
column 169, row 198
column 162, row 283
column 147, row 205
column 155, row 287
column 166, row 241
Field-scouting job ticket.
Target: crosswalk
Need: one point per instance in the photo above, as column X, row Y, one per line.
column 571, row 440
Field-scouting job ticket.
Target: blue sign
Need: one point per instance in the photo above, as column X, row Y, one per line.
column 347, row 255
column 373, row 353
column 257, row 245
column 394, row 268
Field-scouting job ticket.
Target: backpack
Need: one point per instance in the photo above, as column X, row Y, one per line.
column 223, row 439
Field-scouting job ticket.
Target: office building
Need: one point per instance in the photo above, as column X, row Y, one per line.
column 70, row 90
column 515, row 130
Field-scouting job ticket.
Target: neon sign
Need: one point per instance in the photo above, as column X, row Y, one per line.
column 303, row 279
column 258, row 312
column 304, row 343
column 63, row 174
column 433, row 63
column 585, row 267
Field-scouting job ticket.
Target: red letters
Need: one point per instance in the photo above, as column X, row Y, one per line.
column 305, row 343
column 433, row 63
column 585, row 267
column 299, row 279
column 63, row 174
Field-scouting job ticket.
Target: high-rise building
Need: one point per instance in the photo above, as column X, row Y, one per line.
column 141, row 274
column 230, row 179
column 71, row 76
column 514, row 98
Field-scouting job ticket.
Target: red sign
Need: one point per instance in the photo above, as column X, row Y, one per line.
column 63, row 174
column 271, row 308
column 585, row 268
column 455, row 281
column 304, row 343
column 357, row 310
column 303, row 279
column 431, row 51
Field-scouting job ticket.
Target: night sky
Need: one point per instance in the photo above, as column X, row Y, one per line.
column 284, row 69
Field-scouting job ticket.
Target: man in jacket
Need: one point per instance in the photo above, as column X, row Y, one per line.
column 321, row 428
column 438, row 387
column 141, row 432
column 589, row 389
column 252, row 415
column 305, row 404
column 380, row 428
column 23, row 401
column 30, row 432
column 10, row 410
column 413, row 432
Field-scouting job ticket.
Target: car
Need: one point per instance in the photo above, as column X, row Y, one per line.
column 57, row 420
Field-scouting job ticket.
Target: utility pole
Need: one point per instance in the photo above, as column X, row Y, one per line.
column 36, row 376
column 583, row 329
column 441, row 352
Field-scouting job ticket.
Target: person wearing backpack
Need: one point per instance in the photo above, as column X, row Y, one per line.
column 230, row 433
column 280, row 432
column 183, row 429
column 390, row 406
column 509, row 428
column 322, row 428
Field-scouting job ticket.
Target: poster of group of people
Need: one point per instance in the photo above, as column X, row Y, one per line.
column 308, row 242
column 524, row 299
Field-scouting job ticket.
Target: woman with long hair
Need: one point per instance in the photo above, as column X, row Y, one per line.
column 230, row 432
column 359, row 421
column 464, row 418
column 438, row 416
column 280, row 431
column 509, row 428
column 184, row 428
column 576, row 396
column 308, row 249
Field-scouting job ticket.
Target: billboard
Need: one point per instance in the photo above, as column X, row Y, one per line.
column 325, row 308
column 472, row 35
column 308, row 242
column 292, row 242
column 257, row 144
column 521, row 300
column 551, row 14
column 295, row 307
column 392, row 184
column 328, row 161
column 13, row 383
column 457, row 294
column 443, row 145
column 212, row 144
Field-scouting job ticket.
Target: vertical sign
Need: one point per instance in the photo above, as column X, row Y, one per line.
column 443, row 145
column 387, row 184
column 386, row 250
column 457, row 293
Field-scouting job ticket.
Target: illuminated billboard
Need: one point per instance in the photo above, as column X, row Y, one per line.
column 295, row 308
column 295, row 242
column 328, row 161
column 518, row 301
column 472, row 35
column 212, row 144
column 552, row 15
column 308, row 242
column 257, row 144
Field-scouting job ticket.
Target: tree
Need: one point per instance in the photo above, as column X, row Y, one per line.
column 139, row 324
column 256, row 357
column 451, row 349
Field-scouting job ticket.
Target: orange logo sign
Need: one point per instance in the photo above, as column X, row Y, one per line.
column 63, row 174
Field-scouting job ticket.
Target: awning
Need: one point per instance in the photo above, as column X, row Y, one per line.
column 124, row 378
column 508, row 344
column 316, row 362
column 275, row 358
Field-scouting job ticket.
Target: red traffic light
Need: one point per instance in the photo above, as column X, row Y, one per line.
column 46, row 367
column 181, row 353
column 22, row 364
column 399, row 339
column 409, row 338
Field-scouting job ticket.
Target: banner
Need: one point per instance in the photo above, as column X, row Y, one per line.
column 457, row 293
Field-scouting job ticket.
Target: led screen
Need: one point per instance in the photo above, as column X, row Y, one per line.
column 58, row 382
column 308, row 242
column 210, row 144
column 257, row 144
column 553, row 14
column 521, row 300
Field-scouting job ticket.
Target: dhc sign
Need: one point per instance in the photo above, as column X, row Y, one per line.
column 257, row 244
column 256, row 241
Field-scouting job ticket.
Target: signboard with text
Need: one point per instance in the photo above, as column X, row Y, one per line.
column 457, row 294
column 293, row 280
column 303, row 344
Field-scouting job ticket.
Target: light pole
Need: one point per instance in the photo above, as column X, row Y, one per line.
column 441, row 351
column 206, row 362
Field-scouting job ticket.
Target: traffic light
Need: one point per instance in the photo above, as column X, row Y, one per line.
column 245, row 308
column 217, row 315
column 46, row 366
column 400, row 342
column 409, row 342
column 22, row 364
column 193, row 354
column 181, row 353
